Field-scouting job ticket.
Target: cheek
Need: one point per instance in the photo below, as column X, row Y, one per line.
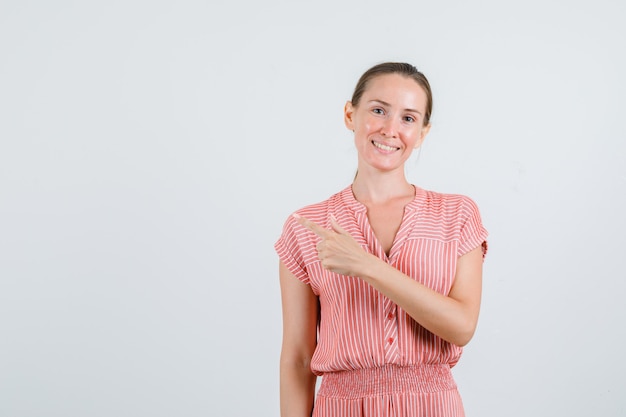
column 369, row 124
column 414, row 135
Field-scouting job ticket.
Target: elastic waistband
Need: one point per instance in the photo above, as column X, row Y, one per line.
column 387, row 379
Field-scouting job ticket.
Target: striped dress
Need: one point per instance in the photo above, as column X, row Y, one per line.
column 374, row 359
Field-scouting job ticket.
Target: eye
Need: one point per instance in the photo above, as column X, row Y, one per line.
column 378, row 110
column 409, row 119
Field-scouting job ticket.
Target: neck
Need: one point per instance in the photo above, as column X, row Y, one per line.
column 381, row 187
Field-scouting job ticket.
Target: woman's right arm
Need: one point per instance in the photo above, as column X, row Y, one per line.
column 300, row 315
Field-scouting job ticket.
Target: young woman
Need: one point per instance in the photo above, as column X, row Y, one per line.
column 381, row 283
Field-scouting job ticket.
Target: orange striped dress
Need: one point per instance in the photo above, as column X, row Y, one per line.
column 374, row 359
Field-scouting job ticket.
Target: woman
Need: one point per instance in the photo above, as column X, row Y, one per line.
column 381, row 283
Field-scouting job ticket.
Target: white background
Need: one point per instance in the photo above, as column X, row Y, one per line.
column 150, row 152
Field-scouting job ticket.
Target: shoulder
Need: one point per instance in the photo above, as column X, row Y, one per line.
column 448, row 205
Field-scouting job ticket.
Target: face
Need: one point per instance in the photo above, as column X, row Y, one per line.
column 388, row 122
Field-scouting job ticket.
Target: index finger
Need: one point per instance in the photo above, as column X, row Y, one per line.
column 312, row 226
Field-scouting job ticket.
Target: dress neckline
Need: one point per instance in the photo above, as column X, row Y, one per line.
column 360, row 214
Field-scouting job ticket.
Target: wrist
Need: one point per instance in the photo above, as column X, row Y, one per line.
column 371, row 267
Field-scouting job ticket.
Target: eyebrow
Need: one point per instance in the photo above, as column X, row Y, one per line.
column 384, row 103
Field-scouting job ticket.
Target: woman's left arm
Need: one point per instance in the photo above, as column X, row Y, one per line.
column 452, row 317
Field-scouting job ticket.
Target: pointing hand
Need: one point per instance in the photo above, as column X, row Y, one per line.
column 337, row 249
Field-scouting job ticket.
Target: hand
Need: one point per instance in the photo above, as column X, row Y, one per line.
column 337, row 249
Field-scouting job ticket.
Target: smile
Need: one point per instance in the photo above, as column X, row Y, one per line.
column 384, row 147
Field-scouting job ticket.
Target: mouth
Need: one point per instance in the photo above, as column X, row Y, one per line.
column 384, row 148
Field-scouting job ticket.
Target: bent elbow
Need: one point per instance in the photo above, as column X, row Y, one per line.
column 462, row 341
column 462, row 337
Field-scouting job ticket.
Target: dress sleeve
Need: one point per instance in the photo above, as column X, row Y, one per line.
column 473, row 233
column 289, row 248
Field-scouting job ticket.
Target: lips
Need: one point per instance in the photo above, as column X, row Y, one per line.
column 384, row 147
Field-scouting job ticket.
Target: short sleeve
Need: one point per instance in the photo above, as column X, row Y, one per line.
column 473, row 233
column 290, row 251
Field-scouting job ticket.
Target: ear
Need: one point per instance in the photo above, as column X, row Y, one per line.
column 423, row 134
column 348, row 115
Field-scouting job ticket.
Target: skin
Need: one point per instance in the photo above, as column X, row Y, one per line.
column 388, row 125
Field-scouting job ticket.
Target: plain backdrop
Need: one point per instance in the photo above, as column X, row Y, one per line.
column 150, row 152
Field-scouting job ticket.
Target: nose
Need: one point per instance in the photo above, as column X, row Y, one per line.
column 389, row 128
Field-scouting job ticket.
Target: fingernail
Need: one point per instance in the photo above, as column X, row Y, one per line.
column 296, row 215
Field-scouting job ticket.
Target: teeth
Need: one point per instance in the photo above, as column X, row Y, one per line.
column 384, row 147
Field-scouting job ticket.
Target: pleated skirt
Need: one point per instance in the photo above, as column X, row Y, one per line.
column 389, row 391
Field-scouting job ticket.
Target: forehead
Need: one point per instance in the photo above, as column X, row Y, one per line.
column 394, row 88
